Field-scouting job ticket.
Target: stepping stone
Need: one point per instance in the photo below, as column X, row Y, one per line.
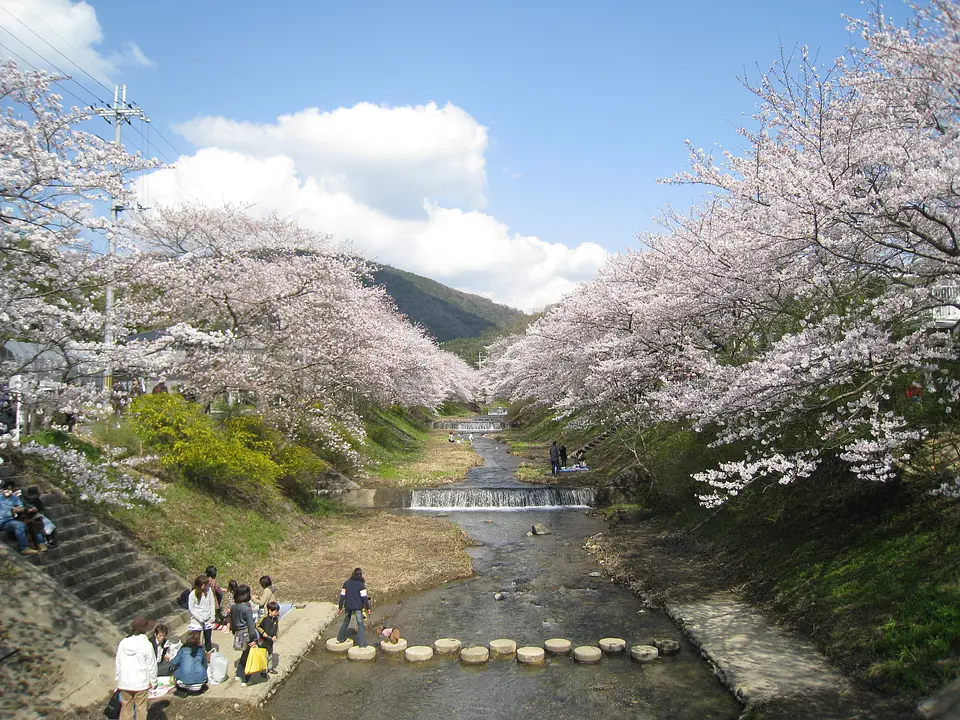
column 587, row 654
column 339, row 647
column 644, row 653
column 667, row 647
column 530, row 655
column 396, row 648
column 558, row 646
column 612, row 645
column 418, row 653
column 447, row 646
column 474, row 655
column 362, row 654
column 503, row 648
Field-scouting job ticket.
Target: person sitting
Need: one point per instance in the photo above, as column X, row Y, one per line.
column 32, row 496
column 16, row 518
column 189, row 667
column 161, row 649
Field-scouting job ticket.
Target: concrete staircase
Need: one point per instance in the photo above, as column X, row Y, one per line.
column 105, row 570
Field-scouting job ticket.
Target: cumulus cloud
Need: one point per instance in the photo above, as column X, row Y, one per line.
column 406, row 185
column 65, row 34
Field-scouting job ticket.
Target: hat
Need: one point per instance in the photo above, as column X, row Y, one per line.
column 143, row 625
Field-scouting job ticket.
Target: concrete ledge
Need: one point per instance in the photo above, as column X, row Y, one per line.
column 474, row 655
column 612, row 645
column 558, row 646
column 587, row 654
column 644, row 653
column 418, row 653
column 389, row 648
column 446, row 646
column 503, row 648
column 530, row 655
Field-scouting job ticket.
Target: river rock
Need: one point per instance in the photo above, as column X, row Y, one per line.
column 418, row 653
column 587, row 654
column 540, row 529
column 499, row 596
column 339, row 647
column 362, row 654
column 396, row 648
column 558, row 646
column 530, row 655
column 612, row 645
column 503, row 648
column 596, row 574
column 447, row 646
column 529, row 533
column 474, row 655
column 644, row 653
column 667, row 647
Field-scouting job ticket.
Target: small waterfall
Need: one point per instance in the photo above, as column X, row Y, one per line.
column 469, row 426
column 540, row 498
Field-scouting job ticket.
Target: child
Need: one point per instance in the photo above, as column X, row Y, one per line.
column 32, row 496
column 266, row 597
column 269, row 627
column 161, row 649
column 226, row 603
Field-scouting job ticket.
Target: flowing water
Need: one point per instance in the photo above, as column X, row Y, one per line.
column 547, row 592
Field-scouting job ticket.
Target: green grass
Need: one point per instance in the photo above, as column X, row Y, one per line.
column 193, row 529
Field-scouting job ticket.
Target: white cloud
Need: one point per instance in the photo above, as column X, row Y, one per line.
column 64, row 34
column 406, row 185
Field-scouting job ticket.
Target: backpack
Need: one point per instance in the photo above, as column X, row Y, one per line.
column 184, row 600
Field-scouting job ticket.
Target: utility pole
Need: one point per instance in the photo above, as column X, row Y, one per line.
column 117, row 115
column 480, row 360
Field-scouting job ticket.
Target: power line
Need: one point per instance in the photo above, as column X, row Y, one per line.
column 31, row 30
column 72, row 47
column 34, row 68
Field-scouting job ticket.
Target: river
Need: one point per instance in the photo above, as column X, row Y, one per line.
column 547, row 593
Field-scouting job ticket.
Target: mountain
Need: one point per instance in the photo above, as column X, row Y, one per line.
column 445, row 313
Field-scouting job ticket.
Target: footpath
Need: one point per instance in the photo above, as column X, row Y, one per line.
column 770, row 669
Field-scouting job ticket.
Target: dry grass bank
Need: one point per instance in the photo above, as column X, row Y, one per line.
column 436, row 462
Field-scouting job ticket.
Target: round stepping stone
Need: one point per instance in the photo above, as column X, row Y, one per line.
column 418, row 653
column 587, row 654
column 447, row 646
column 644, row 653
column 530, row 655
column 503, row 648
column 362, row 654
column 474, row 655
column 558, row 646
column 396, row 648
column 612, row 645
column 667, row 647
column 339, row 647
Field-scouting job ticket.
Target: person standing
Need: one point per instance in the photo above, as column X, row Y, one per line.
column 353, row 598
column 269, row 628
column 563, row 456
column 244, row 630
column 136, row 670
column 554, row 458
column 203, row 609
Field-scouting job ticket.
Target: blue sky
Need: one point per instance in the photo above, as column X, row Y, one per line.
column 585, row 105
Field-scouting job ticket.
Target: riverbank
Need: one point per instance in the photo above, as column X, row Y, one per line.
column 776, row 673
column 429, row 461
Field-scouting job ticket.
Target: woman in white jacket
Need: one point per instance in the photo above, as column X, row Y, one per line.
column 136, row 670
column 203, row 609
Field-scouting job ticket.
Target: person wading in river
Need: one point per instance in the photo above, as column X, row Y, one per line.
column 554, row 458
column 353, row 598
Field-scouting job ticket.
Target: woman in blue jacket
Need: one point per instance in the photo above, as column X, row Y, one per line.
column 189, row 667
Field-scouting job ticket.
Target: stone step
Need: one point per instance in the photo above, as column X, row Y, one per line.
column 128, row 608
column 113, row 577
column 111, row 596
column 100, row 567
column 68, row 519
column 165, row 609
column 146, row 604
column 74, row 555
column 96, row 540
column 76, row 532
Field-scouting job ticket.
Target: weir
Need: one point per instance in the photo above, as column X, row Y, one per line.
column 469, row 426
column 507, row 498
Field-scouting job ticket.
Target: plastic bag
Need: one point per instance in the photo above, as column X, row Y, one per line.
column 217, row 669
column 256, row 661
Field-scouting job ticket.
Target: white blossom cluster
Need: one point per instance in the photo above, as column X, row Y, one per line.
column 95, row 482
column 788, row 313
